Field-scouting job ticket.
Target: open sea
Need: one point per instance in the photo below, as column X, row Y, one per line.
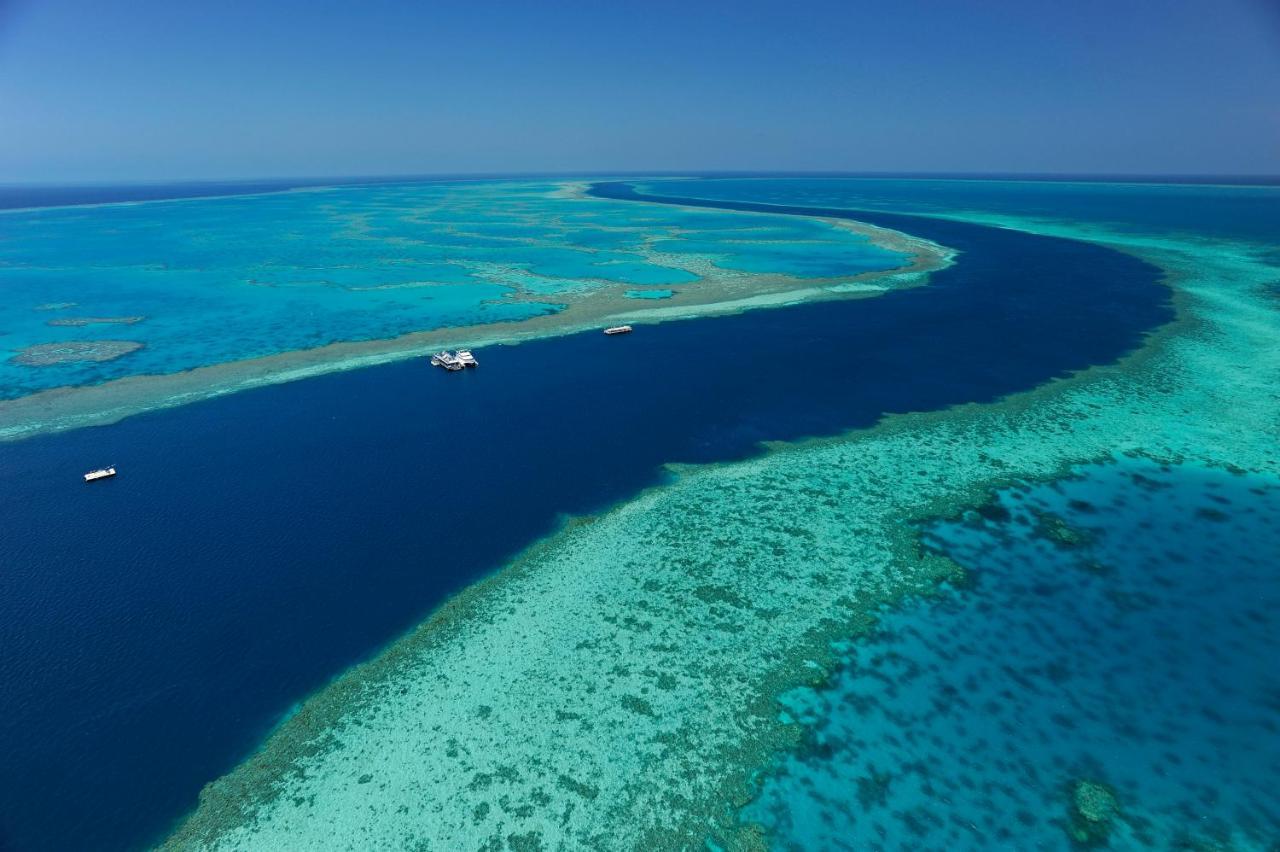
column 155, row 627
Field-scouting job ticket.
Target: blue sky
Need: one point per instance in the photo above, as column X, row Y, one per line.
column 113, row 90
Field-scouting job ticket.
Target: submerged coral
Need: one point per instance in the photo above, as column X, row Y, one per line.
column 48, row 354
column 1093, row 810
column 77, row 322
column 1055, row 529
column 390, row 272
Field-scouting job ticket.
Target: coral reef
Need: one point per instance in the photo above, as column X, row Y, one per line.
column 48, row 354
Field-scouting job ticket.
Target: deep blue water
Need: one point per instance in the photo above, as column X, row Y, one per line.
column 153, row 627
column 1142, row 658
column 1204, row 210
column 1138, row 652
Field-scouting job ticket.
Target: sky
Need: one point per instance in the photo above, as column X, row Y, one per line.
column 154, row 90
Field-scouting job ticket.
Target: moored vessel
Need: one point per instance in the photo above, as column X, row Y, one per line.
column 446, row 360
column 618, row 329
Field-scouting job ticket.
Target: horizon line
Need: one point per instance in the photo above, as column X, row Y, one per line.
column 1239, row 179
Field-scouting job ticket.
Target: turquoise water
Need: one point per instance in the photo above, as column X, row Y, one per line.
column 1121, row 629
column 616, row 687
column 797, row 259
column 332, row 569
column 618, row 680
column 1232, row 212
column 214, row 280
column 1118, row 634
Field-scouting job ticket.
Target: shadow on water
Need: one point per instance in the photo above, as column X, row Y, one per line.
column 154, row 627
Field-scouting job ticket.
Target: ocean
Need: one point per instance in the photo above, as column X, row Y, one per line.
column 157, row 626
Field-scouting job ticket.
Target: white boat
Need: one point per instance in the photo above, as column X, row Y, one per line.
column 100, row 473
column 446, row 360
column 618, row 329
column 466, row 359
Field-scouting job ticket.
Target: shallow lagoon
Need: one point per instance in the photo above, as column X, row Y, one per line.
column 650, row 294
column 1118, row 628
column 225, row 279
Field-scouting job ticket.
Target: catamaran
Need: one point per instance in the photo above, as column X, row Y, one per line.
column 454, row 361
column 446, row 360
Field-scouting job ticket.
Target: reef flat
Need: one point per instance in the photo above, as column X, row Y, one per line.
column 1016, row 710
column 330, row 279
column 77, row 322
column 49, row 354
column 617, row 686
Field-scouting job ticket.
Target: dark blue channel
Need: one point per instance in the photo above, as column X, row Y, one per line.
column 153, row 627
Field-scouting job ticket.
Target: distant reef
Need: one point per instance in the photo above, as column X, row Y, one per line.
column 48, row 354
column 81, row 321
